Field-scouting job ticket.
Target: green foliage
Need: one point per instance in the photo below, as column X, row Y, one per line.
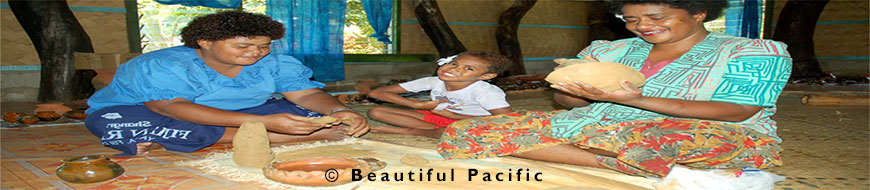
column 357, row 31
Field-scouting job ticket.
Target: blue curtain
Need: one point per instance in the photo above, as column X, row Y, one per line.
column 224, row 4
column 315, row 34
column 379, row 13
column 742, row 18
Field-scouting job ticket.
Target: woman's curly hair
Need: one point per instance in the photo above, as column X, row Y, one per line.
column 713, row 8
column 498, row 63
column 230, row 24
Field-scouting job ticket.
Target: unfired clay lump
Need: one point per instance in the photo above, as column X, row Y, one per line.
column 414, row 160
column 605, row 76
column 251, row 146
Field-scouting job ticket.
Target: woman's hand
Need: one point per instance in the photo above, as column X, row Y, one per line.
column 291, row 124
column 358, row 124
column 627, row 95
column 562, row 62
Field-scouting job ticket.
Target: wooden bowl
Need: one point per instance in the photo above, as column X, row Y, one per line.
column 318, row 171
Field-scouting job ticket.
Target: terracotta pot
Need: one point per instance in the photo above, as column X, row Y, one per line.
column 48, row 116
column 320, row 171
column 76, row 114
column 58, row 108
column 88, row 169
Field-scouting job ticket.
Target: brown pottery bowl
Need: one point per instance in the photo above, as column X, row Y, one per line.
column 88, row 169
column 318, row 171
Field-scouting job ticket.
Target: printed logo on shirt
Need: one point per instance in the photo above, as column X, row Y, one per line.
column 114, row 115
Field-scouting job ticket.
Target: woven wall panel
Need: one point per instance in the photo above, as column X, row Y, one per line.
column 15, row 45
column 107, row 32
column 97, row 3
column 842, row 40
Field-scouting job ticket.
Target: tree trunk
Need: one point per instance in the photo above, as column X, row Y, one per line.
column 795, row 28
column 603, row 25
column 436, row 28
column 56, row 34
column 506, row 35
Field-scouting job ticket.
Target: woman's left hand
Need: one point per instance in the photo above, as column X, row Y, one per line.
column 626, row 95
column 358, row 123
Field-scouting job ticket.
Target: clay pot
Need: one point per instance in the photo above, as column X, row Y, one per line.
column 47, row 115
column 28, row 119
column 58, row 108
column 76, row 114
column 88, row 169
column 320, row 171
column 12, row 117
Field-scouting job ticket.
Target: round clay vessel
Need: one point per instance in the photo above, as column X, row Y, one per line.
column 76, row 114
column 314, row 171
column 48, row 116
column 88, row 169
column 58, row 108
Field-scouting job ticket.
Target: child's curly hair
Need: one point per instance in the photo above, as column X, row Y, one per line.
column 498, row 63
column 713, row 8
column 230, row 24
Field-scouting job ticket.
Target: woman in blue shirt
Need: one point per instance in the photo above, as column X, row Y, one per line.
column 189, row 97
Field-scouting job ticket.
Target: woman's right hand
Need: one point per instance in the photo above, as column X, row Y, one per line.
column 291, row 124
column 428, row 105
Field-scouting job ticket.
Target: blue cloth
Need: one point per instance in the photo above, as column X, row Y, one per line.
column 178, row 72
column 379, row 14
column 315, row 34
column 122, row 127
column 742, row 18
column 225, row 4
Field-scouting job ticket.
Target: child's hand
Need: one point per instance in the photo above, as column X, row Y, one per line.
column 442, row 113
column 428, row 105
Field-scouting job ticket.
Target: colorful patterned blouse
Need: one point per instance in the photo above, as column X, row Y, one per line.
column 720, row 68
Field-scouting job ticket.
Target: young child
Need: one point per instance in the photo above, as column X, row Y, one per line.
column 458, row 92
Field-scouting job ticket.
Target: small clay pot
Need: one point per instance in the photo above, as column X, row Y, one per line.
column 28, row 119
column 48, row 115
column 88, row 169
column 320, row 171
column 58, row 108
column 12, row 117
column 76, row 114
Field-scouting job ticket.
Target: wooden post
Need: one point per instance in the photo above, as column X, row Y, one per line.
column 506, row 35
column 795, row 27
column 56, row 34
column 436, row 28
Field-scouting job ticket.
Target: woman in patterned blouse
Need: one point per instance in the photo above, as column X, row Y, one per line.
column 707, row 101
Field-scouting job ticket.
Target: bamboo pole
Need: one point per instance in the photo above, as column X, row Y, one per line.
column 830, row 100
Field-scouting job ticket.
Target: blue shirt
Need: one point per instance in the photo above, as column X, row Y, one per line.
column 178, row 72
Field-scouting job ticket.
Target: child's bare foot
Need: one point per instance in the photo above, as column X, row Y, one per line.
column 145, row 147
column 434, row 133
column 333, row 133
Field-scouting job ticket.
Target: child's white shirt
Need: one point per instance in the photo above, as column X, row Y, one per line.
column 475, row 99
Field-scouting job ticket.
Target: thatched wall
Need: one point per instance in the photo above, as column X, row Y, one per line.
column 842, row 36
column 103, row 20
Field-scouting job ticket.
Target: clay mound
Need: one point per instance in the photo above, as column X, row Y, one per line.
column 605, row 76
